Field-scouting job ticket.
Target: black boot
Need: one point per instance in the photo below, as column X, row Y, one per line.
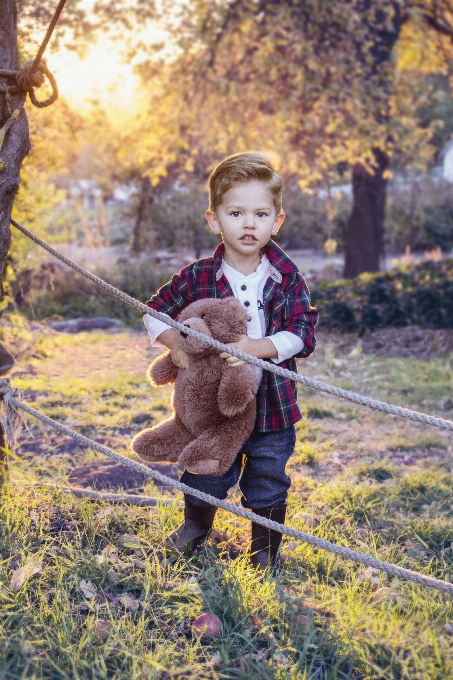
column 266, row 542
column 197, row 525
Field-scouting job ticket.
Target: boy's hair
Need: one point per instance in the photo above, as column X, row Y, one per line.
column 245, row 167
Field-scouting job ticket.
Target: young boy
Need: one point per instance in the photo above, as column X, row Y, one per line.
column 245, row 208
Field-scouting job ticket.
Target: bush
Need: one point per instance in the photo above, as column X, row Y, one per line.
column 420, row 295
column 60, row 291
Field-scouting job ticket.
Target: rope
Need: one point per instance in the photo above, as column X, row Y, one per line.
column 346, row 553
column 266, row 365
column 50, row 30
column 32, row 73
column 29, row 77
column 10, row 418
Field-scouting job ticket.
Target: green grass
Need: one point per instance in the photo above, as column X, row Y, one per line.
column 320, row 619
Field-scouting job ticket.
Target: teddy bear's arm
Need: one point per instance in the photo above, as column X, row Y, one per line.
column 162, row 371
column 238, row 386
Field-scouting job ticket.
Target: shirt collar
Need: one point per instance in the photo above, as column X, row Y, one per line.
column 279, row 262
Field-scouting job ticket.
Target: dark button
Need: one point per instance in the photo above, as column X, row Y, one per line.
column 249, row 318
column 243, row 287
column 246, row 303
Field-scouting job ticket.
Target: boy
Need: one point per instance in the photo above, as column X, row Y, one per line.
column 245, row 207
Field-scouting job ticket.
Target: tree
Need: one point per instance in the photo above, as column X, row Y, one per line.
column 319, row 82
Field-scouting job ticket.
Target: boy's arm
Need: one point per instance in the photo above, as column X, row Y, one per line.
column 262, row 348
column 299, row 317
column 171, row 299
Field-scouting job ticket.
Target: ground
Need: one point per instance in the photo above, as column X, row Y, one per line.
column 379, row 484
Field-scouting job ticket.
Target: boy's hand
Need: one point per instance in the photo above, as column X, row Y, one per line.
column 179, row 357
column 262, row 348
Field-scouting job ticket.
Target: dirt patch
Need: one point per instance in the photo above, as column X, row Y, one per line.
column 116, row 476
column 411, row 342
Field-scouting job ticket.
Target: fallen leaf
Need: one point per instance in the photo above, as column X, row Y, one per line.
column 88, row 589
column 139, row 564
column 129, row 541
column 300, row 620
column 113, row 576
column 34, row 516
column 102, row 514
column 103, row 598
column 102, row 629
column 384, row 594
column 281, row 659
column 32, row 566
column 129, row 602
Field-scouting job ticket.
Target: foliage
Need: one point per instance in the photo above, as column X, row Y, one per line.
column 419, row 215
column 419, row 295
column 55, row 290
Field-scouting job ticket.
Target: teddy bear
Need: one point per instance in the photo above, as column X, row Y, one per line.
column 214, row 404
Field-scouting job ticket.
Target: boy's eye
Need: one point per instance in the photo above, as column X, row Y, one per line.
column 260, row 213
column 235, row 213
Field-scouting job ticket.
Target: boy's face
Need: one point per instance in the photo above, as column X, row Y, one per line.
column 246, row 218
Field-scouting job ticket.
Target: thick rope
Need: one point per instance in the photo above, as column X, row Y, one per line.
column 10, row 418
column 32, row 73
column 50, row 30
column 28, row 77
column 266, row 365
column 346, row 553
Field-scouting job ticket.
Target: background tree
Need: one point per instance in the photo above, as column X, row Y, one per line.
column 319, row 82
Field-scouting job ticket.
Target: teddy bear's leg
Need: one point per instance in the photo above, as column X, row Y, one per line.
column 215, row 451
column 162, row 442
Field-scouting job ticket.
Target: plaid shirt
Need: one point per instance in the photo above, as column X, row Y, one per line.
column 286, row 308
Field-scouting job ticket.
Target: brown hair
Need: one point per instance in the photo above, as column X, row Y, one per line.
column 245, row 167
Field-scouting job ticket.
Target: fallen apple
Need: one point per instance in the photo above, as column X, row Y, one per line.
column 208, row 625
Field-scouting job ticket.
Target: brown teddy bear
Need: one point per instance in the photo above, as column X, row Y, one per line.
column 214, row 403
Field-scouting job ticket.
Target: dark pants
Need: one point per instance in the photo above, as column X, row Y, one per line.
column 263, row 481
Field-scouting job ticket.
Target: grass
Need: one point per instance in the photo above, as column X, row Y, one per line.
column 322, row 618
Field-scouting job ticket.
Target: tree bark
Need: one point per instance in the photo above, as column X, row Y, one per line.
column 17, row 141
column 15, row 147
column 365, row 239
column 143, row 220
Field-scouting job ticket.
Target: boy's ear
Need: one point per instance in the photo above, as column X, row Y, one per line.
column 278, row 223
column 212, row 221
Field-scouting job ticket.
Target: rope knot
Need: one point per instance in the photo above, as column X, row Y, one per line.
column 10, row 418
column 28, row 77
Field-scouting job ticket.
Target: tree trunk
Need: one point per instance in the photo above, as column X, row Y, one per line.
column 143, row 221
column 365, row 239
column 17, row 142
column 15, row 147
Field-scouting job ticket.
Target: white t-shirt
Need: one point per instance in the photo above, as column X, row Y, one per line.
column 249, row 291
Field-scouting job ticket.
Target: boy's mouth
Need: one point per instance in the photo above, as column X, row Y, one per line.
column 248, row 237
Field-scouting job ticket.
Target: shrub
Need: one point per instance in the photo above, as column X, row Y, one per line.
column 62, row 292
column 419, row 295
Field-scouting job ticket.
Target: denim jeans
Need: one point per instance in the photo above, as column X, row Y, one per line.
column 263, row 481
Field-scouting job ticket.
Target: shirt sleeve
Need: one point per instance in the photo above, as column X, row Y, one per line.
column 298, row 316
column 287, row 345
column 155, row 328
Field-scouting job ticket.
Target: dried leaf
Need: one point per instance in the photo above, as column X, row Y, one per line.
column 129, row 541
column 31, row 566
column 139, row 564
column 102, row 514
column 129, row 602
column 113, row 576
column 88, row 589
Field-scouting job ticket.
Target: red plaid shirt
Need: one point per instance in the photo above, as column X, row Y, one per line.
column 286, row 308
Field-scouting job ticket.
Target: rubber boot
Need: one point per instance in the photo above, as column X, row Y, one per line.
column 265, row 544
column 7, row 360
column 197, row 525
